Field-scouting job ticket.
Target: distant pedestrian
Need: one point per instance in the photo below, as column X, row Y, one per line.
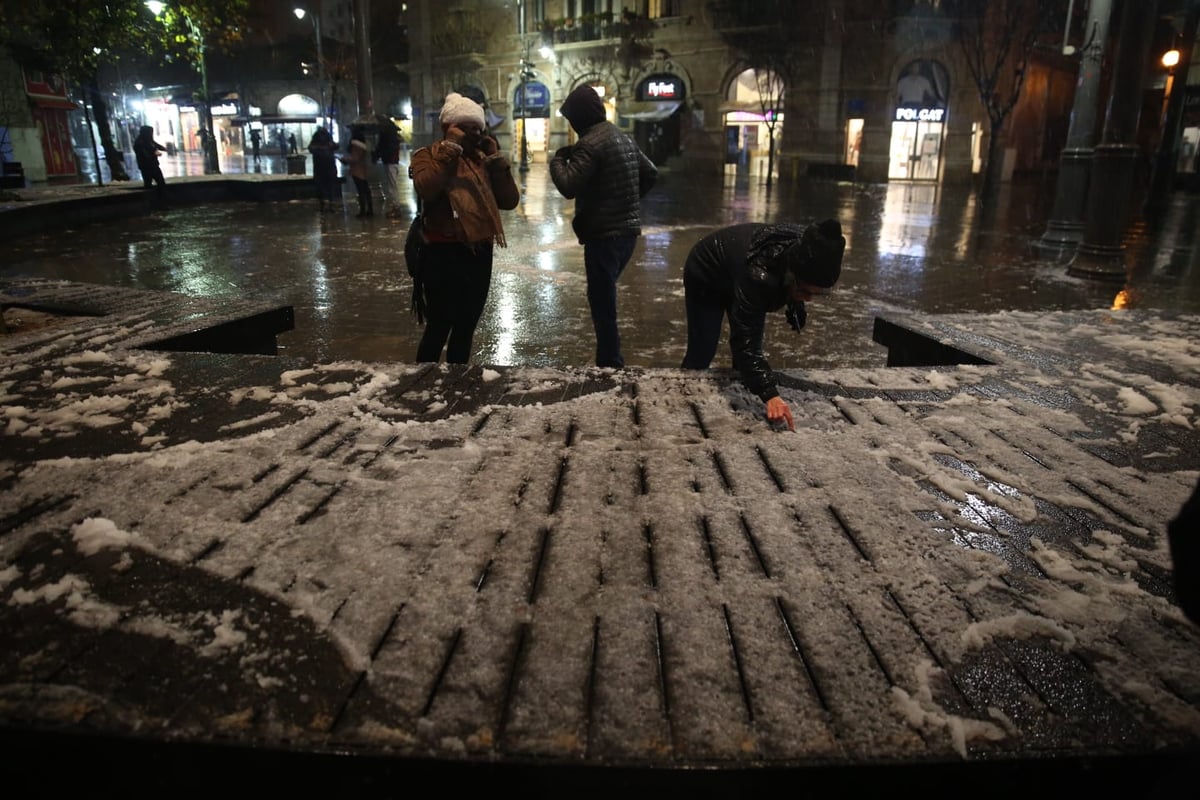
column 292, row 150
column 744, row 271
column 388, row 151
column 463, row 181
column 283, row 145
column 359, row 160
column 146, row 151
column 607, row 175
column 255, row 143
column 324, row 153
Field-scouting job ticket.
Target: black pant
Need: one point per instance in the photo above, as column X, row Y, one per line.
column 151, row 174
column 457, row 278
column 364, row 196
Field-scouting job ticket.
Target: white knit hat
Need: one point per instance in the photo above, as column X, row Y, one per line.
column 459, row 110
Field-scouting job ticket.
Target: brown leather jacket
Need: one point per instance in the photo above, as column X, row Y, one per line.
column 461, row 193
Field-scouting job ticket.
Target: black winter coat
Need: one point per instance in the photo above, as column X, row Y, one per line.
column 737, row 269
column 607, row 175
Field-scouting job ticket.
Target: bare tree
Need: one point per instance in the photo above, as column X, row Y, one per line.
column 998, row 39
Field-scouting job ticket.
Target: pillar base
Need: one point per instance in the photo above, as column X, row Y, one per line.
column 1100, row 262
column 1060, row 241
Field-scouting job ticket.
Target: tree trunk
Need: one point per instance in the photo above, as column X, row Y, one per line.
column 113, row 155
column 770, row 153
column 993, row 173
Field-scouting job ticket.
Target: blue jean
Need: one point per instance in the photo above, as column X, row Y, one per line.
column 604, row 260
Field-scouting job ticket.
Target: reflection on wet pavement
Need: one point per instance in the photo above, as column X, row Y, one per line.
column 910, row 247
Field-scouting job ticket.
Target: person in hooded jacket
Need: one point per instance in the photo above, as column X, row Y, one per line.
column 146, row 151
column 606, row 175
column 745, row 271
column 463, row 182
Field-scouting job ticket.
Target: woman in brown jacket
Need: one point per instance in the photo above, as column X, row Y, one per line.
column 463, row 182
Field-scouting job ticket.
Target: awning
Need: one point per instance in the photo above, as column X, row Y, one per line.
column 270, row 120
column 52, row 101
column 648, row 110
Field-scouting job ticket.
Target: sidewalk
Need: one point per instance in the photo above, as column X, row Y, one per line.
column 952, row 575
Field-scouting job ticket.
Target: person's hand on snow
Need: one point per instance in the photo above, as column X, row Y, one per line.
column 777, row 410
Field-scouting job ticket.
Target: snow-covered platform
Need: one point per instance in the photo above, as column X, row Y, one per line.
column 350, row 574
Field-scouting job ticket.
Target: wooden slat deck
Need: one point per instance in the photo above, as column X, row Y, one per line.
column 594, row 578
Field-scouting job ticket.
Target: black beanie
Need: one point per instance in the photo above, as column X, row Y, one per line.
column 583, row 108
column 817, row 258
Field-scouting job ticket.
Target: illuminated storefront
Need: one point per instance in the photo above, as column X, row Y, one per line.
column 748, row 129
column 919, row 122
column 656, row 116
column 531, row 115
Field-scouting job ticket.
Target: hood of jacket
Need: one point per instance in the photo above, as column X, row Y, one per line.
column 583, row 108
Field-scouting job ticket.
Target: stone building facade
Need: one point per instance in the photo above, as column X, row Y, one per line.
column 673, row 83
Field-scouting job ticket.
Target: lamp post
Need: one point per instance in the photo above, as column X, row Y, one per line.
column 1177, row 63
column 526, row 74
column 316, row 18
column 211, row 165
column 141, row 103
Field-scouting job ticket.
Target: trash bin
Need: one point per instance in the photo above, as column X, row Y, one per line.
column 296, row 164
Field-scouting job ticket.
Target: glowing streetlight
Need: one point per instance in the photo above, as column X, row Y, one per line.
column 316, row 18
column 1170, row 59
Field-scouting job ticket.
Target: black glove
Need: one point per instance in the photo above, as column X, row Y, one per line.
column 488, row 146
column 797, row 315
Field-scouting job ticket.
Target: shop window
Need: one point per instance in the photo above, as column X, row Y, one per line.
column 854, row 131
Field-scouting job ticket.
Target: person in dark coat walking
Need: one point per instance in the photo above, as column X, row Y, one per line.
column 146, row 151
column 324, row 153
column 607, row 175
column 744, row 271
column 463, row 181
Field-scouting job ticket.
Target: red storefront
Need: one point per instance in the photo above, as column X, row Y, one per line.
column 48, row 94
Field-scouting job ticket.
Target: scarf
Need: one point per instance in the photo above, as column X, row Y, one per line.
column 471, row 197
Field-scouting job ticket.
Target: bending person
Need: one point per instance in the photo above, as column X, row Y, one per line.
column 743, row 272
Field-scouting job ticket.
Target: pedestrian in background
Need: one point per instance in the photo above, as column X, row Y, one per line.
column 359, row 161
column 324, row 153
column 607, row 175
column 463, row 181
column 744, row 271
column 146, row 151
column 292, row 149
column 255, row 144
column 388, row 151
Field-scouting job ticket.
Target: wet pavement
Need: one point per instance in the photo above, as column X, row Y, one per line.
column 910, row 247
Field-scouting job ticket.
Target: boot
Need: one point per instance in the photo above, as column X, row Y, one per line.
column 370, row 206
column 362, row 209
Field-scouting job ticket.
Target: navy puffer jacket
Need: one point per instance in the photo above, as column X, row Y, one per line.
column 607, row 175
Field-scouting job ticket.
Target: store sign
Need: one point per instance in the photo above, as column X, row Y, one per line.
column 532, row 99
column 660, row 88
column 224, row 110
column 920, row 114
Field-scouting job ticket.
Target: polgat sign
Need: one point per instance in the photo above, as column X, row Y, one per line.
column 920, row 114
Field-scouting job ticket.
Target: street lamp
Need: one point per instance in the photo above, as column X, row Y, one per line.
column 316, row 18
column 211, row 165
column 141, row 102
column 1162, row 175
